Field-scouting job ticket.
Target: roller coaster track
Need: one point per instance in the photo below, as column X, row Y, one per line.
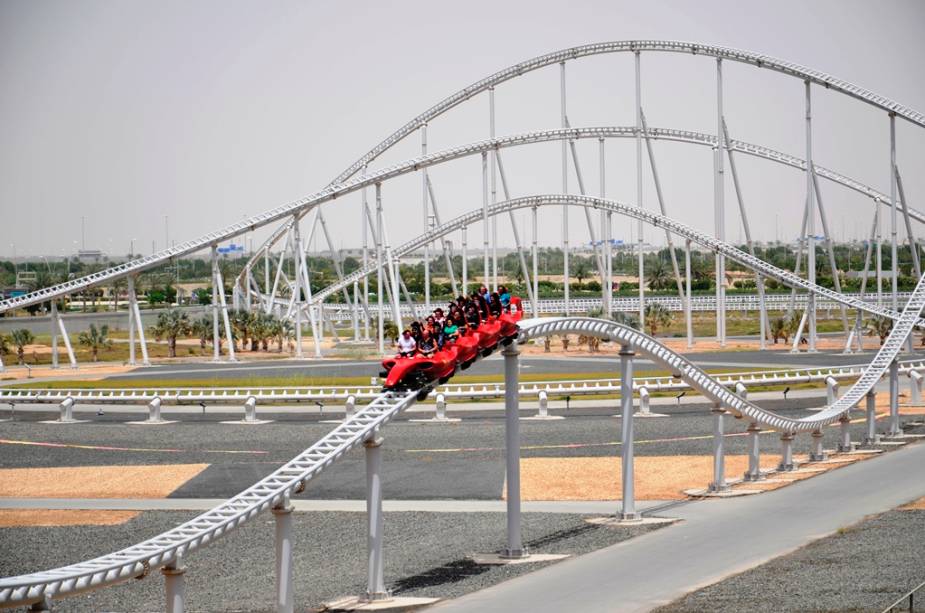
column 659, row 221
column 276, row 489
column 413, row 165
column 758, row 60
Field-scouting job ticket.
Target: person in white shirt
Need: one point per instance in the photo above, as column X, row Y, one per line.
column 406, row 344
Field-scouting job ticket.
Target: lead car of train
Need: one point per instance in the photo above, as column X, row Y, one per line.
column 419, row 372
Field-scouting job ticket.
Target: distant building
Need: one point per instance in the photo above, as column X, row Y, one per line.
column 90, row 256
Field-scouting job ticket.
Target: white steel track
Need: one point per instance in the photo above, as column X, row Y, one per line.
column 331, row 193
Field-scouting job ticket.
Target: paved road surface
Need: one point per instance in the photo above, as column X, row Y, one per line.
column 716, row 539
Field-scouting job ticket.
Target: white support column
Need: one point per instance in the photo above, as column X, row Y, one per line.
column 136, row 319
column 514, row 548
column 687, row 288
column 446, row 244
column 266, row 270
column 871, row 438
column 913, row 248
column 844, row 423
column 365, row 220
column 350, row 407
column 426, row 206
column 786, row 453
column 375, row 585
column 282, row 515
column 175, row 586
column 639, row 202
column 754, row 453
column 719, row 197
column 644, row 408
column 818, row 453
column 829, row 240
column 494, row 193
column 67, row 344
column 54, row 335
column 894, row 261
column 606, row 237
column 895, row 429
column 486, row 273
column 810, row 224
column 565, row 241
column 379, row 268
column 515, row 230
column 719, row 452
column 223, row 306
column 465, row 262
column 759, row 280
column 536, row 272
column 628, row 512
column 440, row 407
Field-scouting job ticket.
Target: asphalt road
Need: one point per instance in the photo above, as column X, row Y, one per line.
column 578, row 364
column 78, row 322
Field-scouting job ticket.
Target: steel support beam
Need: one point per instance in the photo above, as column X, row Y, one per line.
column 375, row 585
column 719, row 196
column 565, row 241
column 514, row 548
column 283, row 529
column 628, row 512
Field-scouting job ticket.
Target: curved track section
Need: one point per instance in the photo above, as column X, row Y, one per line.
column 272, row 491
column 409, row 166
column 632, row 46
column 716, row 391
column 659, row 221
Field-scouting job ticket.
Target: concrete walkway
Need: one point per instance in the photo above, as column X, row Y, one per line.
column 717, row 538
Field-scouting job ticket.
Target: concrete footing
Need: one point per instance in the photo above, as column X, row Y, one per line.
column 356, row 603
column 497, row 559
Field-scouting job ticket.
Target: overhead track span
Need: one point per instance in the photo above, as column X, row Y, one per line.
column 653, row 219
column 331, row 193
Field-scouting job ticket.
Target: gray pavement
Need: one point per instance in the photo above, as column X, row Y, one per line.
column 716, row 538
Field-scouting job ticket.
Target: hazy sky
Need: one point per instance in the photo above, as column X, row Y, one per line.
column 206, row 112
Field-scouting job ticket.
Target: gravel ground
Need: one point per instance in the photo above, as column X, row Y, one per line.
column 862, row 568
column 425, row 556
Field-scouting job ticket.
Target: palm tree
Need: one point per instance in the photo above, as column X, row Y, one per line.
column 284, row 332
column 170, row 324
column 95, row 339
column 780, row 329
column 21, row 337
column 580, row 270
column 659, row 276
column 657, row 316
column 261, row 330
column 5, row 344
column 241, row 323
column 202, row 329
column 390, row 330
column 881, row 326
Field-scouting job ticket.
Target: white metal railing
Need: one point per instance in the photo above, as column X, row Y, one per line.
column 531, row 389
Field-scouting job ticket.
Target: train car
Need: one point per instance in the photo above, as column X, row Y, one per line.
column 419, row 371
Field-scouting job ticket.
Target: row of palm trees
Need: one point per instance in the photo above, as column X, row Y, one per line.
column 95, row 339
column 259, row 329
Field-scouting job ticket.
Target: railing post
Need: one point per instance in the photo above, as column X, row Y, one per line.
column 786, row 452
column 845, row 445
column 754, row 454
column 175, row 586
column 872, row 437
column 915, row 388
column 626, row 403
column 154, row 410
column 895, row 429
column 831, row 390
column 250, row 409
column 67, row 408
column 284, row 599
column 375, row 585
column 818, row 453
column 515, row 548
column 350, row 407
column 719, row 452
column 543, row 401
column 644, row 401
